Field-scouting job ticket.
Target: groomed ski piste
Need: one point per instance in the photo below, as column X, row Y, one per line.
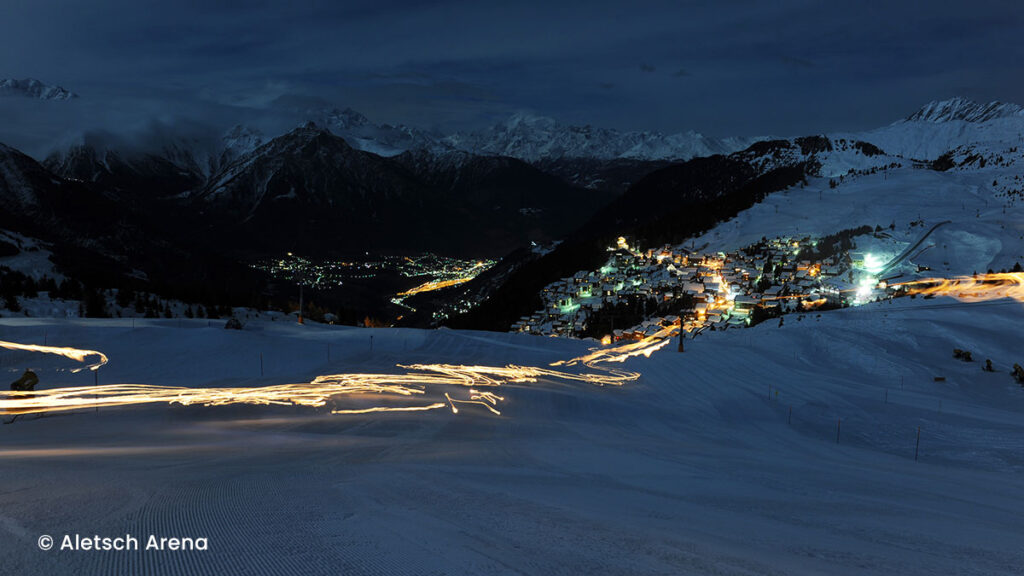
column 699, row 467
column 845, row 442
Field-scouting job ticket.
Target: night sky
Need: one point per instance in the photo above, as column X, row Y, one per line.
column 722, row 68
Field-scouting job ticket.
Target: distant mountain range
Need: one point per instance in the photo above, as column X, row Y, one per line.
column 32, row 88
column 524, row 136
column 535, row 138
column 543, row 140
column 384, row 185
column 581, row 154
column 341, row 184
column 585, row 156
column 309, row 190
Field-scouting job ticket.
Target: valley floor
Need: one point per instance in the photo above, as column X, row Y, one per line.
column 721, row 460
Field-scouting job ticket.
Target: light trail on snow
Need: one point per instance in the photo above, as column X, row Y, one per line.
column 974, row 288
column 419, row 380
column 433, row 406
column 978, row 288
column 72, row 353
column 439, row 384
column 644, row 347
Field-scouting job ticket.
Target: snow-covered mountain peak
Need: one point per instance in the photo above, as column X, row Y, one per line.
column 944, row 125
column 347, row 119
column 527, row 121
column 32, row 88
column 964, row 109
column 242, row 139
column 534, row 138
column 381, row 139
column 306, row 132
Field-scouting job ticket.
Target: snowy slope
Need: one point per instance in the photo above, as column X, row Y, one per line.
column 32, row 259
column 827, row 157
column 19, row 176
column 986, row 229
column 980, row 190
column 721, row 460
column 941, row 126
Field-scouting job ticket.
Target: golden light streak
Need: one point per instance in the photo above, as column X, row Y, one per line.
column 452, row 402
column 418, row 380
column 72, row 353
column 644, row 347
column 789, row 297
column 978, row 288
column 433, row 406
column 486, row 396
column 810, row 304
column 434, row 285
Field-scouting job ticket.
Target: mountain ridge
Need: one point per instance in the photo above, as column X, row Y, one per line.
column 965, row 109
column 32, row 88
column 533, row 138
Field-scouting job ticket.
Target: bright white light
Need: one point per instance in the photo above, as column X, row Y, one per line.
column 873, row 264
column 866, row 289
column 863, row 293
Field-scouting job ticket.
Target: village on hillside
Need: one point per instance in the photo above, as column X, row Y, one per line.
column 638, row 293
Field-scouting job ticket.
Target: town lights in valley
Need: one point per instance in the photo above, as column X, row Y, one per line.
column 434, row 285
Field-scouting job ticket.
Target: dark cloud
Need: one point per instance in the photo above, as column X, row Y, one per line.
column 785, row 67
